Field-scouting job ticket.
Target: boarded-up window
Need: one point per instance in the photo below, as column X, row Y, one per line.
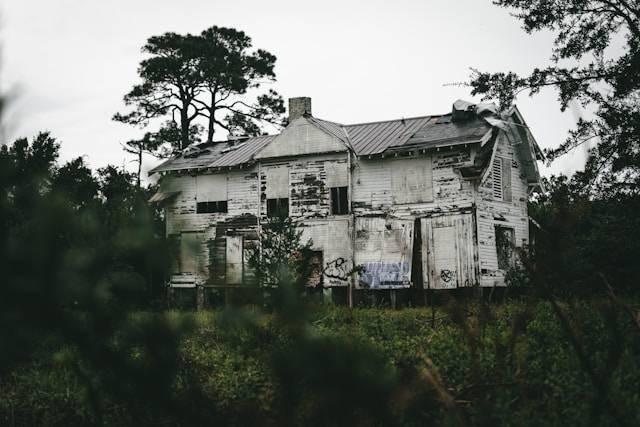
column 189, row 250
column 501, row 179
column 411, row 180
column 339, row 201
column 337, row 174
column 504, row 246
column 211, row 188
column 277, row 182
column 234, row 260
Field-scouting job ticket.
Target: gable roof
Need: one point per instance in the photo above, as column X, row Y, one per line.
column 362, row 138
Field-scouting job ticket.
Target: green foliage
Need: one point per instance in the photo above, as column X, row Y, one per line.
column 585, row 71
column 579, row 238
column 77, row 251
column 201, row 76
column 508, row 365
column 282, row 258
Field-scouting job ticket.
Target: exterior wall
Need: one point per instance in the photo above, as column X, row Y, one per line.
column 491, row 213
column 414, row 220
column 301, row 138
column 446, row 196
column 309, row 180
column 444, row 191
column 209, row 245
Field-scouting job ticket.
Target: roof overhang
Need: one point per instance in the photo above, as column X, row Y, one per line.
column 162, row 196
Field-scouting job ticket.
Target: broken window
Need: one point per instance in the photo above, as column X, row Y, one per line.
column 339, row 201
column 504, row 246
column 315, row 269
column 219, row 206
column 277, row 207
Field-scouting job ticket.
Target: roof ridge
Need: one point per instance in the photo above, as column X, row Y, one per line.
column 396, row 120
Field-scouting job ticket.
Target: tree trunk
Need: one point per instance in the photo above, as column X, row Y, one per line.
column 139, row 167
column 184, row 127
column 211, row 129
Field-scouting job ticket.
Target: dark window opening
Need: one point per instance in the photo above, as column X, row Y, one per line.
column 504, row 247
column 212, row 207
column 315, row 269
column 277, row 208
column 339, row 201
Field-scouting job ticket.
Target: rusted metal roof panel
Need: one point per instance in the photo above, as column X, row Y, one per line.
column 373, row 138
column 364, row 139
column 244, row 152
column 219, row 154
column 444, row 129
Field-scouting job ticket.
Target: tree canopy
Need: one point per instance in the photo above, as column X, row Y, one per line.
column 213, row 77
column 586, row 68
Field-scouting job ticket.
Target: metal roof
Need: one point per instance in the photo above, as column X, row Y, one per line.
column 218, row 154
column 376, row 137
column 363, row 138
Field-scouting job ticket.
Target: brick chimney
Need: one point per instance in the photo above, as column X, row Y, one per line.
column 298, row 107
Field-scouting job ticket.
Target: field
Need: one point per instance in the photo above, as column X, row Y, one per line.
column 514, row 363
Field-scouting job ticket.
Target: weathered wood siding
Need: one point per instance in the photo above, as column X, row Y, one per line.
column 204, row 258
column 431, row 182
column 332, row 237
column 449, row 258
column 301, row 138
column 305, row 182
column 508, row 209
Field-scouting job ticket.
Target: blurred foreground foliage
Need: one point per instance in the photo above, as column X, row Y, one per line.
column 512, row 365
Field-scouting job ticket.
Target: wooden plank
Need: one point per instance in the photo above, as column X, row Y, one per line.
column 234, row 260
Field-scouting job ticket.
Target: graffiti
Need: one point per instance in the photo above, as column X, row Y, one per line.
column 386, row 274
column 337, row 269
column 447, row 275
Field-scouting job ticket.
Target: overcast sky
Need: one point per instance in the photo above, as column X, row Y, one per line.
column 69, row 62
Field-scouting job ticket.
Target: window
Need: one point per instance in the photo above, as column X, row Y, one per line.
column 501, row 178
column 219, row 206
column 277, row 207
column 411, row 180
column 339, row 201
column 189, row 250
column 504, row 246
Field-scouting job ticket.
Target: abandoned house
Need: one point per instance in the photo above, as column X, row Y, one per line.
column 433, row 202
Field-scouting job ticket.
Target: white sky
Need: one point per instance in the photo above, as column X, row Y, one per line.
column 69, row 62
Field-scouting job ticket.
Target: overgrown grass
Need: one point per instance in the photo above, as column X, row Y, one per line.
column 511, row 364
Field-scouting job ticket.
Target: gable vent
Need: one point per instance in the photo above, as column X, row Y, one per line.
column 496, row 175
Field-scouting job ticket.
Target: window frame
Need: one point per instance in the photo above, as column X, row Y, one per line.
column 504, row 261
column 281, row 208
column 339, row 197
column 212, row 206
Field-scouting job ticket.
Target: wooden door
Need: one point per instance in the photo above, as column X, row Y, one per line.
column 448, row 251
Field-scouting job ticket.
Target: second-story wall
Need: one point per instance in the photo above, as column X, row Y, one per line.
column 412, row 186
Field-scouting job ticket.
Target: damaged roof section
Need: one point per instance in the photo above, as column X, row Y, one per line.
column 218, row 154
column 466, row 123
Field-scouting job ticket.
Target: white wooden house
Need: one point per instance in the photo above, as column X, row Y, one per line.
column 433, row 202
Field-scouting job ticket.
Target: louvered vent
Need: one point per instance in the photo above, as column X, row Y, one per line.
column 496, row 174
